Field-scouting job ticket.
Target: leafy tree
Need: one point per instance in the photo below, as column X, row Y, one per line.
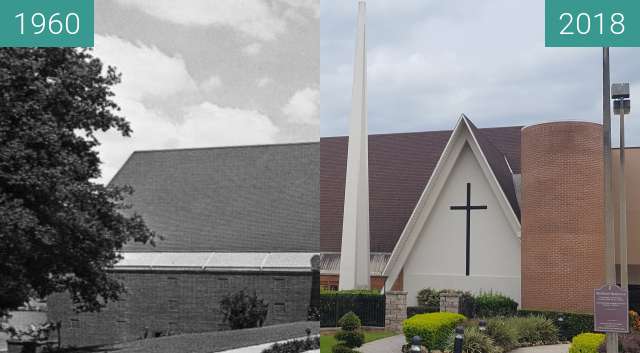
column 59, row 230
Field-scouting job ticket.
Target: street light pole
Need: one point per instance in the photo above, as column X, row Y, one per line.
column 622, row 105
column 610, row 263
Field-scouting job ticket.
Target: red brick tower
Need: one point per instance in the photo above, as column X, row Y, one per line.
column 562, row 216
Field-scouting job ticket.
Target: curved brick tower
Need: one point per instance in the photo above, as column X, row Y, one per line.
column 562, row 216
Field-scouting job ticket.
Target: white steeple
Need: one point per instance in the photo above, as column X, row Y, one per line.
column 354, row 259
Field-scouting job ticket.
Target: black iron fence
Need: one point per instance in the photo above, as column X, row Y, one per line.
column 634, row 297
column 369, row 308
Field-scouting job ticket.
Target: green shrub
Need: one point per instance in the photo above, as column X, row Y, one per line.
column 350, row 322
column 572, row 324
column 429, row 297
column 586, row 343
column 494, row 304
column 433, row 328
column 504, row 335
column 341, row 348
column 349, row 336
column 415, row 310
column 474, row 342
column 295, row 346
column 534, row 329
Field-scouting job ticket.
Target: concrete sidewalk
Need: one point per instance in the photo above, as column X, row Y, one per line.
column 391, row 344
column 552, row 348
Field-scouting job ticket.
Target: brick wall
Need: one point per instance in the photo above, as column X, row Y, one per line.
column 178, row 302
column 377, row 282
column 562, row 216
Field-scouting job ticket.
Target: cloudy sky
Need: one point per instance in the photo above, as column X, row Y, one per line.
column 206, row 73
column 431, row 60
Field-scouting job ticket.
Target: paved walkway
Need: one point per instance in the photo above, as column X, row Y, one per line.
column 393, row 344
column 552, row 348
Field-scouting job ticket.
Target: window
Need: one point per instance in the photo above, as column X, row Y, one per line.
column 173, row 305
column 74, row 323
column 279, row 284
column 223, row 283
column 279, row 308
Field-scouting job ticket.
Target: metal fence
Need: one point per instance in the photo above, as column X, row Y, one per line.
column 369, row 308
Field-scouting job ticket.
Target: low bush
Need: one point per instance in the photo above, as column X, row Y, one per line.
column 533, row 330
column 242, row 310
column 433, row 328
column 571, row 325
column 629, row 343
column 415, row 310
column 634, row 320
column 494, row 304
column 429, row 297
column 349, row 336
column 586, row 343
column 350, row 292
column 474, row 342
column 504, row 335
column 295, row 346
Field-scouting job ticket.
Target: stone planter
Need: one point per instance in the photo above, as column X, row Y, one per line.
column 14, row 346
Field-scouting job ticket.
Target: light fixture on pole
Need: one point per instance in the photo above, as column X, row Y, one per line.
column 621, row 106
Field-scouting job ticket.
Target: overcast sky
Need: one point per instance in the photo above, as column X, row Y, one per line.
column 202, row 73
column 431, row 60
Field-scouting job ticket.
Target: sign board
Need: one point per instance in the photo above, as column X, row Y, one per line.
column 46, row 23
column 592, row 23
column 611, row 309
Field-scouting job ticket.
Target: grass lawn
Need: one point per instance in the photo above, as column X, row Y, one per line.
column 327, row 341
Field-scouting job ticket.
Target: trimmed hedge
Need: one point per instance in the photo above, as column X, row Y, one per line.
column 494, row 304
column 586, row 343
column 415, row 310
column 572, row 324
column 433, row 328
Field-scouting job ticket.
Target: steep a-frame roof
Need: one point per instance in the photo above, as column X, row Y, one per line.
column 464, row 134
column 400, row 166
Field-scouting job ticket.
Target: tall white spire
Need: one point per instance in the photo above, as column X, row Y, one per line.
column 354, row 259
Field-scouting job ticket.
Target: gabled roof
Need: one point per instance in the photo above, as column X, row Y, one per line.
column 399, row 167
column 230, row 199
column 464, row 134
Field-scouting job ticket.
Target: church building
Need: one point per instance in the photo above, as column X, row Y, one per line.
column 516, row 210
column 231, row 219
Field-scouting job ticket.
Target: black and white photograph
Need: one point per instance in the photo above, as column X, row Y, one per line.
column 159, row 192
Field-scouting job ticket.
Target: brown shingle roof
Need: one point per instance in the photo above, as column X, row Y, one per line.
column 399, row 167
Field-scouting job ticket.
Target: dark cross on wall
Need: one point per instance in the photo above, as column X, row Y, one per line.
column 468, row 208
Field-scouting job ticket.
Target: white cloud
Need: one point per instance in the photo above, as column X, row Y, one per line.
column 211, row 83
column 208, row 124
column 264, row 81
column 310, row 5
column 146, row 71
column 255, row 18
column 252, row 49
column 303, row 107
column 150, row 73
column 204, row 125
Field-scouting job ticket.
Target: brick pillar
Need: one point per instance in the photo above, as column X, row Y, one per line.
column 450, row 302
column 395, row 311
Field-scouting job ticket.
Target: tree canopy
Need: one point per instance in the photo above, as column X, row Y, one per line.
column 59, row 229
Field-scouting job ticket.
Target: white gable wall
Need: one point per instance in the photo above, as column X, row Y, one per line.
column 437, row 259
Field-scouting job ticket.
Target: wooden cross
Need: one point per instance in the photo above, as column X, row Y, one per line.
column 468, row 208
